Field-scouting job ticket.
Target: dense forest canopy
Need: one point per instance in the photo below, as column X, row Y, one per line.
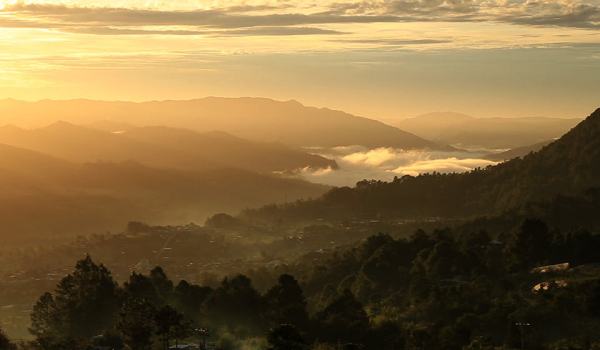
column 436, row 290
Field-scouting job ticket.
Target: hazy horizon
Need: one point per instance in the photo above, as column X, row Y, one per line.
column 381, row 59
column 384, row 119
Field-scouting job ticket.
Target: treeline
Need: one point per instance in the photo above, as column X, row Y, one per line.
column 89, row 308
column 565, row 167
column 438, row 290
column 445, row 291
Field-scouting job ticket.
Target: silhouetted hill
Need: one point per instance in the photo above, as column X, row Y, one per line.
column 25, row 170
column 256, row 119
column 220, row 147
column 564, row 212
column 160, row 147
column 110, row 126
column 566, row 166
column 45, row 198
column 517, row 152
column 493, row 133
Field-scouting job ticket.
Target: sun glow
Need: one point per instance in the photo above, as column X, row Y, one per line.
column 391, row 56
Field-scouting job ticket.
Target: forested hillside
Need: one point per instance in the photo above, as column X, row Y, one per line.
column 566, row 166
column 45, row 199
column 436, row 290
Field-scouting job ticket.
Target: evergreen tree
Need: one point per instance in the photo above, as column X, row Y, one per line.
column 284, row 303
column 235, row 303
column 141, row 287
column 163, row 285
column 5, row 343
column 84, row 304
column 136, row 323
column 528, row 245
column 170, row 324
column 343, row 320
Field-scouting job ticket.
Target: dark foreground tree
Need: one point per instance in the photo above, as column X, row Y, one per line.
column 5, row 343
column 170, row 324
column 284, row 303
column 343, row 320
column 235, row 303
column 84, row 304
column 528, row 245
column 136, row 324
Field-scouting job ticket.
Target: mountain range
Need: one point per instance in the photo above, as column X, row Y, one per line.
column 465, row 131
column 255, row 119
column 517, row 152
column 161, row 147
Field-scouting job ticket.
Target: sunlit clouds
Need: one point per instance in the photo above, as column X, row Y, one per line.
column 396, row 55
column 357, row 163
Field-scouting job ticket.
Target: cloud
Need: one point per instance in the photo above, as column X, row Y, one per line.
column 278, row 31
column 267, row 31
column 376, row 157
column 548, row 13
column 357, row 163
column 394, row 42
column 217, row 18
column 131, row 21
column 447, row 165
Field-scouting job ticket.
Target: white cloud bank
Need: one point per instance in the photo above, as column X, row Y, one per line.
column 357, row 163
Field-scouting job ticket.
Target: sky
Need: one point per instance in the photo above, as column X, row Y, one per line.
column 378, row 59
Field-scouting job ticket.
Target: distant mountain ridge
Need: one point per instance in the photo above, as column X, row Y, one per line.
column 517, row 152
column 161, row 147
column 256, row 119
column 493, row 133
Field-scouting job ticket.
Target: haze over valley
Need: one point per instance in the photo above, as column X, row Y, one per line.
column 299, row 175
column 175, row 162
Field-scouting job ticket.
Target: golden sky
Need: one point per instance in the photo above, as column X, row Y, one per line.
column 382, row 58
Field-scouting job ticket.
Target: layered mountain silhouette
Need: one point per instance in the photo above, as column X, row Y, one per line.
column 492, row 133
column 566, row 166
column 43, row 197
column 517, row 152
column 256, row 119
column 161, row 147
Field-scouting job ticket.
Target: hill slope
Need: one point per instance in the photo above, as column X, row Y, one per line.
column 256, row 119
column 493, row 133
column 517, row 152
column 219, row 147
column 161, row 147
column 566, row 166
column 45, row 198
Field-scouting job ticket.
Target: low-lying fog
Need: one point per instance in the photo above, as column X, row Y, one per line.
column 357, row 163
